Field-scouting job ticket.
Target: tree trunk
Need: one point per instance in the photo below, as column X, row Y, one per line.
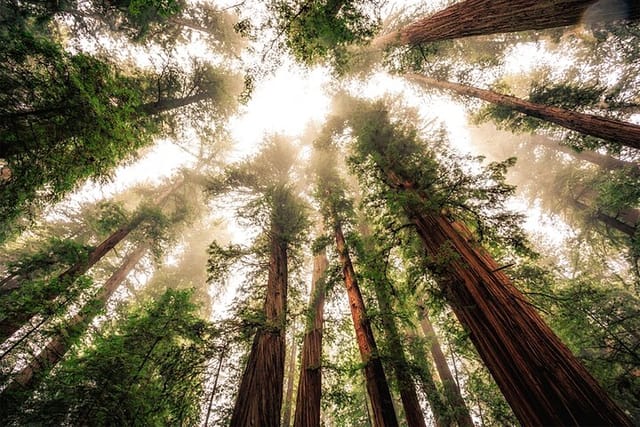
column 286, row 422
column 601, row 160
column 429, row 388
column 454, row 398
column 627, row 134
column 377, row 387
column 53, row 352
column 259, row 399
column 9, row 325
column 482, row 17
column 398, row 360
column 214, row 388
column 163, row 105
column 541, row 380
column 307, row 412
column 608, row 220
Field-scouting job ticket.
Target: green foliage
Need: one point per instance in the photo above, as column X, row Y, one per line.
column 322, row 30
column 53, row 256
column 144, row 369
column 64, row 118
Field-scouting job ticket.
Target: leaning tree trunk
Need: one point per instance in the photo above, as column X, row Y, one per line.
column 377, row 387
column 307, row 412
column 601, row 160
column 541, row 379
column 398, row 360
column 608, row 220
column 482, row 17
column 10, row 324
column 26, row 379
column 459, row 408
column 259, row 399
column 627, row 134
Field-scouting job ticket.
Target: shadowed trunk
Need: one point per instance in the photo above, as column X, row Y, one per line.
column 398, row 360
column 459, row 408
column 214, row 388
column 25, row 380
column 482, row 17
column 611, row 222
column 540, row 378
column 627, row 134
column 307, row 412
column 9, row 325
column 377, row 387
column 259, row 399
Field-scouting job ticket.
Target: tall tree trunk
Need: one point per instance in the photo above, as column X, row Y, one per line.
column 214, row 388
column 429, row 388
column 601, row 160
column 164, row 105
column 398, row 360
column 9, row 325
column 541, row 379
column 288, row 401
column 259, row 399
column 25, row 380
column 454, row 397
column 627, row 134
column 377, row 387
column 608, row 220
column 482, row 17
column 307, row 412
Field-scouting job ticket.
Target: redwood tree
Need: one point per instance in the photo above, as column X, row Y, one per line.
column 307, row 412
column 274, row 207
column 335, row 207
column 540, row 378
column 481, row 17
column 624, row 133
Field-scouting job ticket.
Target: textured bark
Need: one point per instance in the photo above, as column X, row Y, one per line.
column 627, row 134
column 540, row 378
column 307, row 412
column 286, row 417
column 452, row 392
column 482, row 17
column 259, row 399
column 376, row 381
column 54, row 351
column 11, row 324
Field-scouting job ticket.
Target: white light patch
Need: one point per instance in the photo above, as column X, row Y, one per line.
column 284, row 103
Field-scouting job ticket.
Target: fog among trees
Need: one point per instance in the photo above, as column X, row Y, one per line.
column 320, row 213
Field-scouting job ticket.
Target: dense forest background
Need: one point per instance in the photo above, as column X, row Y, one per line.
column 331, row 212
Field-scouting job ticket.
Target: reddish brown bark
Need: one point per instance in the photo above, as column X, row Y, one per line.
column 376, row 381
column 627, row 134
column 459, row 411
column 307, row 412
column 540, row 378
column 481, row 17
column 259, row 399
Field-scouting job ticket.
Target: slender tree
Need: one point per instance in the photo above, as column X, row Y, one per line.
column 335, row 206
column 278, row 211
column 307, row 412
column 481, row 17
column 288, row 401
column 540, row 378
column 460, row 411
column 373, row 265
column 627, row 134
column 15, row 319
